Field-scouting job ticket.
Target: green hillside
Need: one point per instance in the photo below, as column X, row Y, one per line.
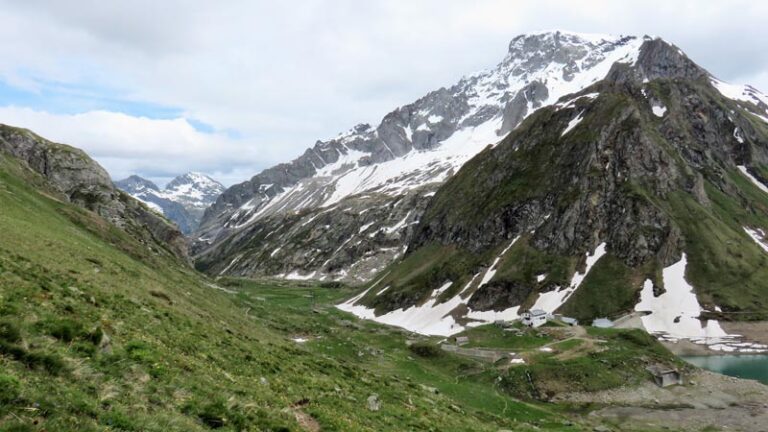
column 100, row 332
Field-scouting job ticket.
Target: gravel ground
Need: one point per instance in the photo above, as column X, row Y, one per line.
column 707, row 400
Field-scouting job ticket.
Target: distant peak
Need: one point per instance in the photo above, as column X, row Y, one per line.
column 564, row 36
column 135, row 182
column 194, row 178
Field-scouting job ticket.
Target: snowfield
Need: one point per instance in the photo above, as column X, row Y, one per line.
column 438, row 319
column 753, row 179
column 552, row 300
column 674, row 315
column 759, row 236
column 489, row 89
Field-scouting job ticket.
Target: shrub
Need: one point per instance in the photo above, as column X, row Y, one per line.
column 10, row 389
column 65, row 330
column 9, row 332
column 425, row 349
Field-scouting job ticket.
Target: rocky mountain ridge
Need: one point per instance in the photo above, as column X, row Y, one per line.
column 415, row 147
column 645, row 193
column 183, row 200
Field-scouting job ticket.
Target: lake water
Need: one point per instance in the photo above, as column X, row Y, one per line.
column 743, row 366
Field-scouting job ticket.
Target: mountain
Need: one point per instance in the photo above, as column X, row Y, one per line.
column 585, row 174
column 72, row 176
column 183, row 200
column 347, row 207
column 644, row 195
column 102, row 328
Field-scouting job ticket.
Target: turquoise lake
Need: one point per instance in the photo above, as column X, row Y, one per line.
column 742, row 366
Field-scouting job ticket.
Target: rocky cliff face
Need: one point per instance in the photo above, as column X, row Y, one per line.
column 183, row 200
column 414, row 146
column 652, row 178
column 82, row 181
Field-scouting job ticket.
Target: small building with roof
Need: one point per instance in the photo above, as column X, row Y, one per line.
column 534, row 318
column 665, row 376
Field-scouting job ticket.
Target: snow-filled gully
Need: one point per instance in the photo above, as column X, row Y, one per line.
column 434, row 318
column 674, row 315
column 671, row 316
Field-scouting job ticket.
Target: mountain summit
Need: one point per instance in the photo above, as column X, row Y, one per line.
column 643, row 195
column 183, row 200
column 346, row 208
column 585, row 174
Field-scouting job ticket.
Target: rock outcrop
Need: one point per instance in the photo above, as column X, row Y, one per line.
column 83, row 182
column 656, row 164
column 415, row 146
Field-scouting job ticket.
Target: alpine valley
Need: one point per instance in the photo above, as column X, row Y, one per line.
column 530, row 249
column 590, row 175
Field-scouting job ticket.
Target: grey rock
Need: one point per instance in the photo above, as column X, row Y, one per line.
column 373, row 402
column 83, row 182
column 227, row 232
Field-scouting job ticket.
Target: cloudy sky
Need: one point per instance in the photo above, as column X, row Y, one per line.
column 229, row 88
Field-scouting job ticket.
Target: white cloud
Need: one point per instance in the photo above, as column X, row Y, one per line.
column 285, row 74
column 158, row 149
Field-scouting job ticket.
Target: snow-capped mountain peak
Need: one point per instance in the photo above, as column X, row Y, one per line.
column 361, row 194
column 183, row 200
column 426, row 141
column 194, row 189
column 135, row 184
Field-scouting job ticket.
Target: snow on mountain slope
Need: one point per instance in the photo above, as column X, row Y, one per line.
column 416, row 145
column 437, row 318
column 478, row 111
column 675, row 314
column 193, row 189
column 183, row 200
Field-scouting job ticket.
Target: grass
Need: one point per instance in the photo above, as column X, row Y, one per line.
column 492, row 336
column 610, row 289
column 100, row 332
column 727, row 267
column 621, row 362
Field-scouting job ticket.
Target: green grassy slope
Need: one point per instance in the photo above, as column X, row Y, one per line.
column 652, row 187
column 99, row 332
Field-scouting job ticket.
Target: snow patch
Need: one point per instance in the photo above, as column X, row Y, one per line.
column 737, row 136
column 658, row 110
column 674, row 315
column 753, row 179
column 429, row 318
column 491, row 272
column 572, row 124
column 552, row 300
column 759, row 236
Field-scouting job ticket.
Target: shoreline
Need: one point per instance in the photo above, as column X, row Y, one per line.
column 752, row 331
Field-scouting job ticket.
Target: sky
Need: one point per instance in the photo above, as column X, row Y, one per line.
column 229, row 88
